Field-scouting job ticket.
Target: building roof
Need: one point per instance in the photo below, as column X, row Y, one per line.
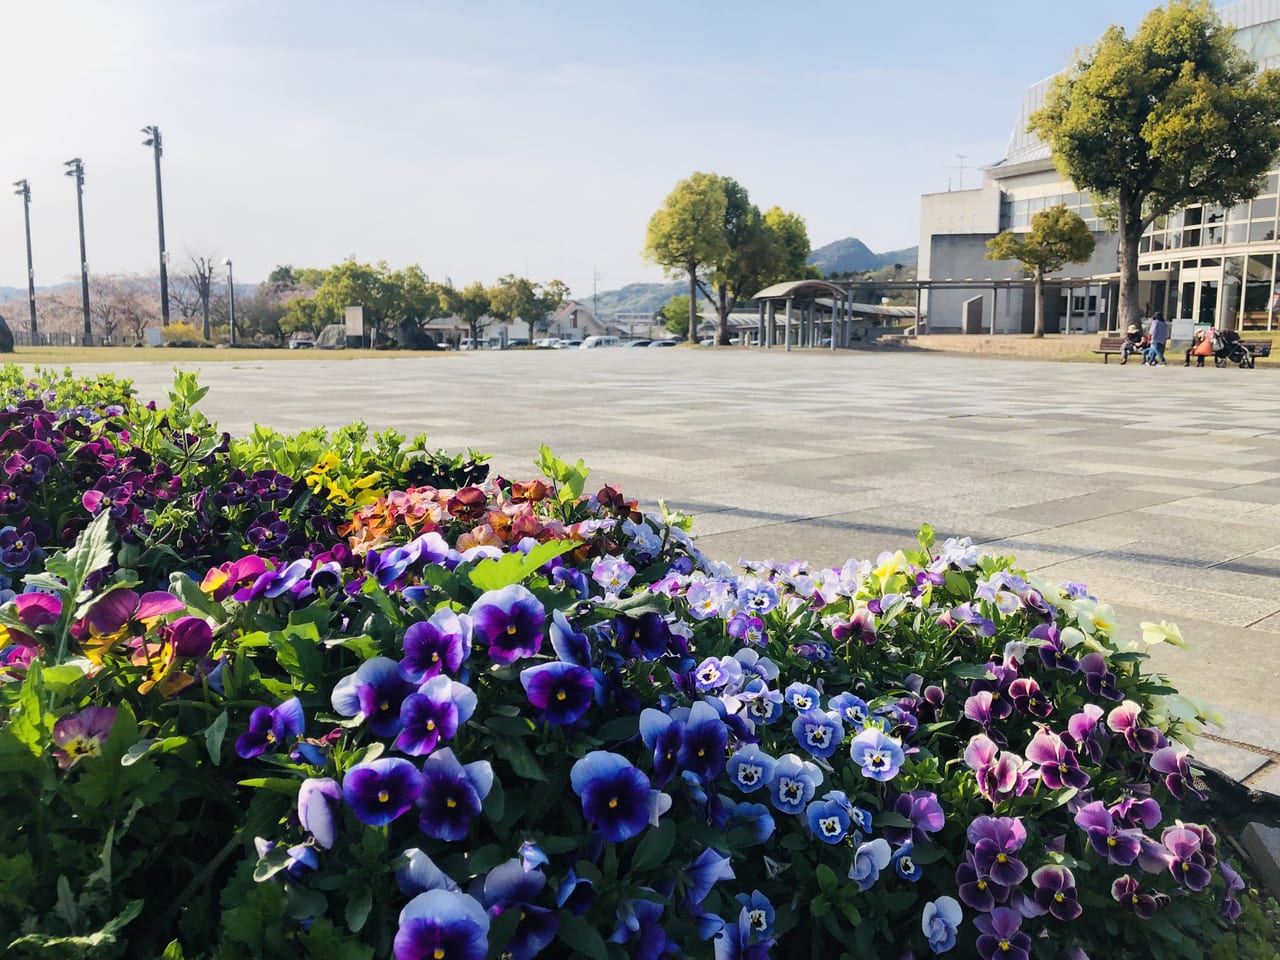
column 800, row 290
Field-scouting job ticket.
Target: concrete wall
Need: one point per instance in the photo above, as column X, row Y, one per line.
column 956, row 212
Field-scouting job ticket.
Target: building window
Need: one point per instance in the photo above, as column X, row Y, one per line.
column 1261, row 230
column 1258, row 283
column 1237, row 232
column 1264, row 208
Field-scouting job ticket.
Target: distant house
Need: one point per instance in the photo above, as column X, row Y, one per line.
column 574, row 321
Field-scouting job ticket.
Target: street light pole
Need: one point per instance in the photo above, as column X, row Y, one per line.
column 231, row 298
column 76, row 169
column 153, row 141
column 24, row 191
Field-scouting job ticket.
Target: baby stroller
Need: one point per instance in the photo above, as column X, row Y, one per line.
column 1227, row 348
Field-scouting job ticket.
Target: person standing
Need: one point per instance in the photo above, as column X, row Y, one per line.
column 1159, row 334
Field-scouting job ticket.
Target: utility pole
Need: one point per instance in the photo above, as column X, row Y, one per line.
column 75, row 168
column 231, row 296
column 595, row 283
column 157, row 149
column 24, row 191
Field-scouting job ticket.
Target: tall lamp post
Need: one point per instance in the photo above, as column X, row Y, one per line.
column 75, row 168
column 231, row 298
column 24, row 191
column 153, row 141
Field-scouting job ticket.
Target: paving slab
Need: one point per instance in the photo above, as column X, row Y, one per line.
column 1235, row 762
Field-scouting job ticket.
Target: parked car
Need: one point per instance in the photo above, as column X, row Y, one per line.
column 570, row 344
column 301, row 344
column 591, row 343
column 637, row 343
column 467, row 344
column 663, row 343
column 548, row 343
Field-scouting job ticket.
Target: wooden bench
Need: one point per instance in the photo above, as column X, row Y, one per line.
column 1113, row 347
column 1259, row 348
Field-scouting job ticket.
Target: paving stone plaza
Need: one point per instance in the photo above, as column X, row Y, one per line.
column 1160, row 488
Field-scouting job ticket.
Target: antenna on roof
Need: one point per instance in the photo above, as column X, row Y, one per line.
column 962, row 157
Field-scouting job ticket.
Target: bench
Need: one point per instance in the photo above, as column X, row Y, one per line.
column 1259, row 348
column 1112, row 347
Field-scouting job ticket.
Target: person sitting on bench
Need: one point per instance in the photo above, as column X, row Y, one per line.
column 1201, row 347
column 1134, row 342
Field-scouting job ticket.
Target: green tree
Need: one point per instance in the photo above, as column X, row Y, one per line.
column 1057, row 237
column 788, row 242
column 513, row 298
column 1174, row 115
column 675, row 315
column 301, row 316
column 471, row 305
column 687, row 232
column 748, row 255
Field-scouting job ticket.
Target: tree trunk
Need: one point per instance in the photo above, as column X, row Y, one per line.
column 722, row 333
column 693, row 303
column 1130, row 224
column 1039, row 295
column 205, row 305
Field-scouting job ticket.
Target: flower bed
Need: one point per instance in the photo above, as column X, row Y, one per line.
column 337, row 696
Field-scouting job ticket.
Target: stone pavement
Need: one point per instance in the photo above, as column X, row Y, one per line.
column 1160, row 488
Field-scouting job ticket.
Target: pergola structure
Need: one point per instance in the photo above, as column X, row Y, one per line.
column 803, row 302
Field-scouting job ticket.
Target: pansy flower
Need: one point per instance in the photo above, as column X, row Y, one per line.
column 451, row 794
column 1127, row 892
column 379, row 791
column 317, row 799
column 82, row 735
column 1107, row 839
column 795, row 781
column 1000, row 937
column 818, row 732
column 879, row 757
column 852, row 709
column 511, row 621
column 925, row 814
column 996, row 841
column 1055, row 892
column 562, row 691
column 509, row 886
column 442, row 924
column 940, row 921
column 801, row 697
column 664, row 735
column 434, row 713
column 828, row 820
column 1058, row 766
column 269, row 727
column 708, row 869
column 750, row 768
column 616, row 797
column 375, row 692
column 703, row 743
column 1172, row 762
column 868, row 860
column 905, row 864
column 440, row 644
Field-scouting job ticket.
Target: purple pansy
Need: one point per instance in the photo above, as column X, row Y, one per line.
column 562, row 691
column 977, row 890
column 376, row 692
column 1100, row 681
column 703, row 743
column 451, row 794
column 708, row 869
column 1127, row 892
column 1107, row 839
column 1000, row 937
column 1188, row 863
column 921, row 807
column 663, row 734
column 379, row 791
column 442, row 923
column 440, row 644
column 1086, row 734
column 1028, row 698
column 82, row 735
column 1172, row 762
column 1055, row 892
column 569, row 645
column 996, row 841
column 616, row 797
column 509, row 886
column 510, row 620
column 269, row 727
column 433, row 714
column 1058, row 766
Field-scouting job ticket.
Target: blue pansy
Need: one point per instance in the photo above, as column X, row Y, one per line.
column 818, row 732
column 751, row 768
column 828, row 820
column 794, row 783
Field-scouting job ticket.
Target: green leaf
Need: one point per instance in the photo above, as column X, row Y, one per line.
column 619, row 728
column 358, row 906
column 970, row 671
column 890, row 818
column 514, row 567
column 189, row 592
column 516, row 753
column 273, row 784
column 102, row 937
column 957, row 583
column 655, row 846
column 173, row 951
column 271, row 863
column 826, row 879
column 820, row 906
column 926, row 538
column 510, row 726
column 580, row 936
column 29, row 724
column 214, row 735
column 144, row 748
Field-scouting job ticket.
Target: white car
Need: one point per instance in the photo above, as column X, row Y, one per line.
column 548, row 343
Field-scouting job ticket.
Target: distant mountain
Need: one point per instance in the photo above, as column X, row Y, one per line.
column 851, row 254
column 634, row 298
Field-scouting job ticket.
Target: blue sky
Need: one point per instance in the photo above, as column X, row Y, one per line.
column 506, row 137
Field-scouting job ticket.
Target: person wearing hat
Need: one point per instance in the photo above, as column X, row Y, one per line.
column 1133, row 342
